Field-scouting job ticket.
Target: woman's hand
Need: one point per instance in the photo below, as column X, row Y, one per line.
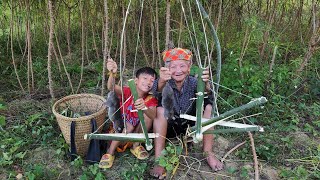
column 205, row 75
column 165, row 74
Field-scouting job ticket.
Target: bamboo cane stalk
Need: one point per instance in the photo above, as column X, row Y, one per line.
column 249, row 105
column 218, row 48
column 232, row 130
column 133, row 137
column 199, row 105
column 140, row 113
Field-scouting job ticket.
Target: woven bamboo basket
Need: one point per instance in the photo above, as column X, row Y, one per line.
column 80, row 103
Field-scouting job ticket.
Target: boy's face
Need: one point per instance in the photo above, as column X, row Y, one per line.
column 144, row 82
column 179, row 69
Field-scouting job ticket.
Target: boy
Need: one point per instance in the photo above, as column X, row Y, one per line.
column 146, row 102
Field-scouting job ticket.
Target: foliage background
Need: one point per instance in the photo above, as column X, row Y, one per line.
column 249, row 31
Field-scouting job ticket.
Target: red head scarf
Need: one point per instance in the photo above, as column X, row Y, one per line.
column 176, row 54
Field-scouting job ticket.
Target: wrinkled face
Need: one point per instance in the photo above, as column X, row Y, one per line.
column 144, row 82
column 179, row 69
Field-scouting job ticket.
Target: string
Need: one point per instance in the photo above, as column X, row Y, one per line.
column 195, row 35
column 109, row 118
column 189, row 31
column 205, row 35
column 231, row 90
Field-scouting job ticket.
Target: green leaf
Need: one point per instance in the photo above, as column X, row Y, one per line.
column 31, row 176
column 231, row 170
column 99, row 176
column 6, row 156
column 174, row 159
column 162, row 162
column 33, row 117
column 3, row 107
column 169, row 167
column 2, row 121
column 83, row 177
column 21, row 155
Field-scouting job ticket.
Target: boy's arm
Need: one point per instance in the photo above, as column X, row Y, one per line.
column 111, row 85
column 139, row 104
column 151, row 112
column 112, row 67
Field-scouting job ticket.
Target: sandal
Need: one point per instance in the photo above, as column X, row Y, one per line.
column 139, row 151
column 106, row 161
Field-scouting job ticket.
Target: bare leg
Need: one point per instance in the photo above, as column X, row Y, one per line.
column 115, row 144
column 160, row 127
column 213, row 162
column 138, row 129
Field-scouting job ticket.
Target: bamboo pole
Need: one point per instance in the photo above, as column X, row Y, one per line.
column 249, row 105
column 133, row 137
column 199, row 105
column 134, row 92
column 218, row 48
column 232, row 130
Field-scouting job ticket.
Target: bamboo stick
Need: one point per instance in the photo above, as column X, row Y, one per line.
column 140, row 114
column 199, row 105
column 133, row 137
column 249, row 105
column 232, row 130
column 215, row 37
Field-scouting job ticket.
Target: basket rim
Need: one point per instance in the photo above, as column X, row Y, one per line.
column 94, row 115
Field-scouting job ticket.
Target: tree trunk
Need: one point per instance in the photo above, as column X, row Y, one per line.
column 64, row 66
column 29, row 57
column 50, row 47
column 124, row 52
column 68, row 32
column 245, row 44
column 152, row 35
column 82, row 45
column 157, row 35
column 94, row 41
column 314, row 39
column 86, row 6
column 271, row 16
column 219, row 16
column 167, row 24
column 105, row 49
column 12, row 52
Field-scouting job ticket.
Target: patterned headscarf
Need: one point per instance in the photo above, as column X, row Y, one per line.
column 176, row 54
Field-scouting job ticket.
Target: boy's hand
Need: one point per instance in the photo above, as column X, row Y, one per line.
column 139, row 104
column 205, row 75
column 165, row 74
column 112, row 65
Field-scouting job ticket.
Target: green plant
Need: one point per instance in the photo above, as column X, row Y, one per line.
column 136, row 171
column 39, row 171
column 2, row 118
column 92, row 172
column 244, row 172
column 169, row 158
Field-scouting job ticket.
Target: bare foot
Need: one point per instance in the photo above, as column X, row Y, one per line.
column 214, row 163
column 158, row 172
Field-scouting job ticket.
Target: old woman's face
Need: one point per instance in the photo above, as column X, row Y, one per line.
column 179, row 69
